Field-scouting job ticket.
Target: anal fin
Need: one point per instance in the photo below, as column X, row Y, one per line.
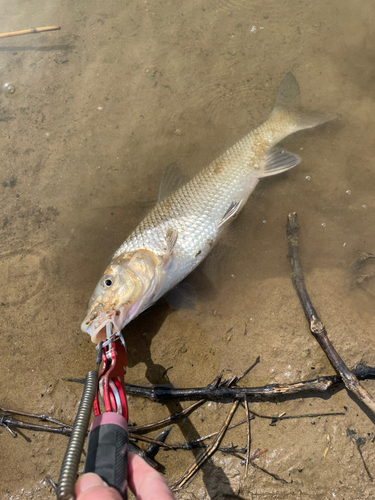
column 279, row 160
column 231, row 212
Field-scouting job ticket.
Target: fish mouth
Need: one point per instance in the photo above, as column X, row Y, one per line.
column 97, row 328
column 119, row 318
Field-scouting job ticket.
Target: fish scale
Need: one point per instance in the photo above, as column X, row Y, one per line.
column 185, row 224
column 196, row 209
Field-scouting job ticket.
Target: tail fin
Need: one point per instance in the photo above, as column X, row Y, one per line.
column 288, row 104
column 286, row 118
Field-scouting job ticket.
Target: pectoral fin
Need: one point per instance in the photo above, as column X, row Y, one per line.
column 182, row 296
column 170, row 238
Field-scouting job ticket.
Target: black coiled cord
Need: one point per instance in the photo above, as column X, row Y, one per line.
column 68, row 473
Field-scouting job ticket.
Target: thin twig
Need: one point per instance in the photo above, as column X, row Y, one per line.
column 306, row 415
column 3, row 424
column 275, row 476
column 191, row 471
column 248, row 437
column 167, row 420
column 257, row 453
column 317, row 328
column 139, row 437
column 359, row 442
column 215, row 433
column 44, row 418
column 7, row 421
column 28, row 32
column 52, row 483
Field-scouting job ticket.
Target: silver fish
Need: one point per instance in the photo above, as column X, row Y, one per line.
column 188, row 219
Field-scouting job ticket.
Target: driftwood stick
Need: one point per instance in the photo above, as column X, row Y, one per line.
column 217, row 382
column 28, row 32
column 212, row 392
column 161, row 394
column 317, row 328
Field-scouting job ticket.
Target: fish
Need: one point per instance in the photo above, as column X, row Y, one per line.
column 191, row 215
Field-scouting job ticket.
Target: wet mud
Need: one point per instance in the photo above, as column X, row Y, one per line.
column 99, row 109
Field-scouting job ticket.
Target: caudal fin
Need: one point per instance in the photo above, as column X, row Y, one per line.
column 286, row 118
column 288, row 105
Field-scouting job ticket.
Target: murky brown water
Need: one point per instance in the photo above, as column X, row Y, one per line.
column 100, row 108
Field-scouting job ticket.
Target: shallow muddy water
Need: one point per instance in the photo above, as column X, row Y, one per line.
column 99, row 109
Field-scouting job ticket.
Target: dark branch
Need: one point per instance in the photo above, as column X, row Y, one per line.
column 317, row 328
column 161, row 394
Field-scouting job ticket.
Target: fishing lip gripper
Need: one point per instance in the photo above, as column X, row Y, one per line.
column 107, row 448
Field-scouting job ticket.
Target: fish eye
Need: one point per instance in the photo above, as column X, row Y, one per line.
column 107, row 282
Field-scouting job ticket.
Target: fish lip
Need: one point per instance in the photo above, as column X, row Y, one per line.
column 97, row 330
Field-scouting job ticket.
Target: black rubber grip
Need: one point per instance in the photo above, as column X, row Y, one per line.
column 107, row 450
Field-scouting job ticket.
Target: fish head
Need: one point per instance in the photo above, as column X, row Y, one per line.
column 125, row 289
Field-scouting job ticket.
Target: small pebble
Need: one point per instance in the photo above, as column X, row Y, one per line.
column 100, row 108
column 264, row 222
column 344, row 245
column 324, row 224
column 364, row 206
column 308, row 178
column 348, row 191
column 233, row 275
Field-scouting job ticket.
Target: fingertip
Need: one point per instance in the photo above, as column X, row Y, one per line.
column 91, row 487
column 87, row 481
column 146, row 482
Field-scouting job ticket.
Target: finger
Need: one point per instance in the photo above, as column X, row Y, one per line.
column 91, row 487
column 145, row 482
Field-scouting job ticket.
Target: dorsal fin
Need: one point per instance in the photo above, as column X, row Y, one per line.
column 172, row 179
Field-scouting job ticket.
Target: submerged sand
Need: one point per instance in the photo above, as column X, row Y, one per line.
column 100, row 108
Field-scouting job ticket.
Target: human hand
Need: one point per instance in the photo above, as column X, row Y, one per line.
column 145, row 482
